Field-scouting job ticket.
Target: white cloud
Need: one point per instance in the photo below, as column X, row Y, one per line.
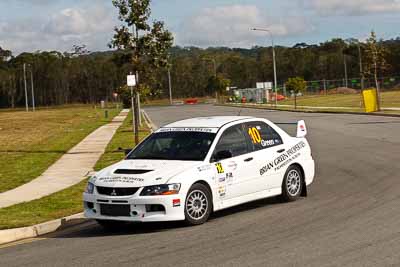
column 353, row 7
column 230, row 26
column 93, row 27
column 68, row 22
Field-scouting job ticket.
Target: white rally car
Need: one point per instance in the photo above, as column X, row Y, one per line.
column 188, row 169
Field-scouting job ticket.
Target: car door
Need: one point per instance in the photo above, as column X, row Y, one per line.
column 268, row 149
column 234, row 174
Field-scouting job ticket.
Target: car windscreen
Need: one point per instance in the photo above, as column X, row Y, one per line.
column 179, row 145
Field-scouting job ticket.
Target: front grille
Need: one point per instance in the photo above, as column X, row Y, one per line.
column 115, row 210
column 127, row 171
column 117, row 192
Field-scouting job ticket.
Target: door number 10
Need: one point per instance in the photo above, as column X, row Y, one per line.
column 255, row 135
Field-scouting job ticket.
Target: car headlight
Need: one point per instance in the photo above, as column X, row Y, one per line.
column 161, row 190
column 89, row 188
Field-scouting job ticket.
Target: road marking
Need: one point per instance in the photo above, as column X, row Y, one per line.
column 21, row 242
column 69, row 230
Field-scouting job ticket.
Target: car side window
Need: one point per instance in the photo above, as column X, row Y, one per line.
column 233, row 140
column 262, row 136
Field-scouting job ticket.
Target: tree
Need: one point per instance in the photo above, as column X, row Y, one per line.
column 217, row 84
column 297, row 85
column 146, row 46
column 375, row 62
column 4, row 55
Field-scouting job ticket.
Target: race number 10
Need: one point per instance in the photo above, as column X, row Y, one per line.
column 255, row 135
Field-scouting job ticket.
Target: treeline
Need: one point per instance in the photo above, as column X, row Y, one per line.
column 83, row 77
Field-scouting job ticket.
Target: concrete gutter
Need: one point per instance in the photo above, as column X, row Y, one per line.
column 16, row 234
column 312, row 111
column 149, row 122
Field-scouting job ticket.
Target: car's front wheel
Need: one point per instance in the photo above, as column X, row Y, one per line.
column 292, row 185
column 198, row 205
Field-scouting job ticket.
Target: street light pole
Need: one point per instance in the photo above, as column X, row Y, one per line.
column 346, row 82
column 215, row 71
column 274, row 61
column 361, row 66
column 170, row 85
column 26, row 91
column 33, row 91
column 215, row 67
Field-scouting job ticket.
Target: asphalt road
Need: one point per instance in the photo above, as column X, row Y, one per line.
column 350, row 218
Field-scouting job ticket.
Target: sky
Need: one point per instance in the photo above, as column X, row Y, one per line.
column 31, row 25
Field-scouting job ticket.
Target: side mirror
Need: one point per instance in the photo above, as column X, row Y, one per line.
column 126, row 150
column 223, row 154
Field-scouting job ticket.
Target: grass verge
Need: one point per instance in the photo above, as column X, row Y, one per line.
column 316, row 110
column 31, row 142
column 68, row 201
column 388, row 99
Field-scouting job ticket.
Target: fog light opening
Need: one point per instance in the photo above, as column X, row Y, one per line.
column 90, row 205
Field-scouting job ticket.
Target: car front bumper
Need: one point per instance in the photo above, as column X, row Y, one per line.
column 136, row 208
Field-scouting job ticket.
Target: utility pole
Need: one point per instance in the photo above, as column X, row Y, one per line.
column 274, row 61
column 346, row 82
column 215, row 67
column 361, row 66
column 133, row 108
column 215, row 72
column 33, row 91
column 26, row 91
column 170, row 85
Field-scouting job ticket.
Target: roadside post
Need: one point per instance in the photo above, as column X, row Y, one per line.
column 131, row 82
column 370, row 100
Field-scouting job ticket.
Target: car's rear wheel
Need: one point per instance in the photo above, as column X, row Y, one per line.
column 292, row 185
column 198, row 205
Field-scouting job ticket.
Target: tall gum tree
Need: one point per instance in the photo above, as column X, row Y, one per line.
column 145, row 44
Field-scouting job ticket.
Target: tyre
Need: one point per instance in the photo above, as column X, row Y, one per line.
column 292, row 185
column 110, row 225
column 198, row 205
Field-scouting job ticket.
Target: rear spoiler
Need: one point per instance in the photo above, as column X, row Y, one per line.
column 301, row 127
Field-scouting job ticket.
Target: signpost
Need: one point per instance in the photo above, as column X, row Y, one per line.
column 267, row 86
column 131, row 82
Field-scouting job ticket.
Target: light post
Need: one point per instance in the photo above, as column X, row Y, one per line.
column 274, row 61
column 26, row 90
column 170, row 85
column 361, row 65
column 215, row 71
column 32, row 89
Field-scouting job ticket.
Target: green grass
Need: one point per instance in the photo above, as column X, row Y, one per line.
column 31, row 142
column 58, row 205
column 122, row 139
column 389, row 99
column 68, row 201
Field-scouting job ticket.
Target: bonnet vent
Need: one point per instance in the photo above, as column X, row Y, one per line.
column 127, row 171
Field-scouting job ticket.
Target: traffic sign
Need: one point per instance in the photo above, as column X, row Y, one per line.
column 131, row 80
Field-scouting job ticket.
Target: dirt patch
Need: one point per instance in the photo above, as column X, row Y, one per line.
column 343, row 90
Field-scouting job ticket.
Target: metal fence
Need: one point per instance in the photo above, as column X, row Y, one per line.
column 320, row 87
column 325, row 86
